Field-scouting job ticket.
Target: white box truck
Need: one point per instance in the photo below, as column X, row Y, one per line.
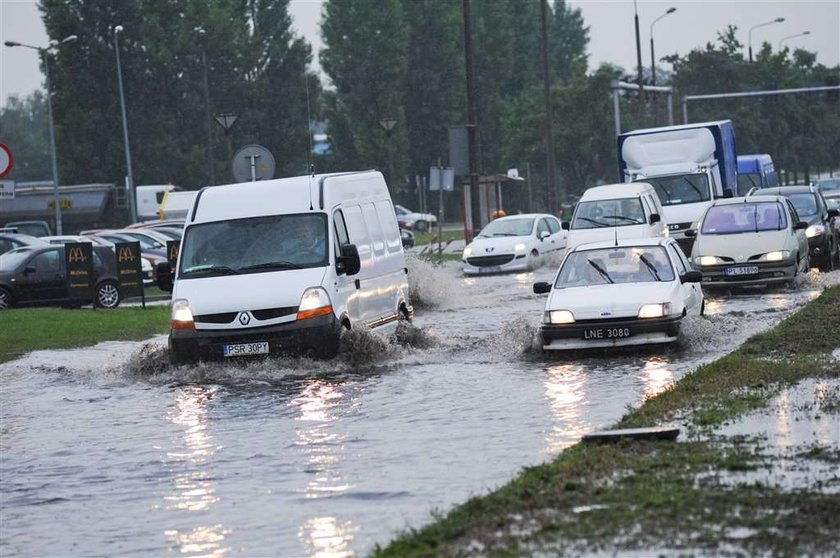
column 284, row 265
column 689, row 166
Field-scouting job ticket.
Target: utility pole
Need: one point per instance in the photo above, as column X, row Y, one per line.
column 639, row 66
column 472, row 128
column 554, row 201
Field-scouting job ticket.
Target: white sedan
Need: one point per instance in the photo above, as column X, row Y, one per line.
column 412, row 220
column 607, row 294
column 513, row 243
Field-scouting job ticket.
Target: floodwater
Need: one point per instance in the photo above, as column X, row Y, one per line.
column 108, row 451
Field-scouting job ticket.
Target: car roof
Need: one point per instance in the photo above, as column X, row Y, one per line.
column 23, row 237
column 623, row 243
column 614, row 191
column 783, row 191
column 521, row 216
column 748, row 199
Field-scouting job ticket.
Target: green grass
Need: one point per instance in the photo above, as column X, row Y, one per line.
column 662, row 495
column 423, row 238
column 30, row 329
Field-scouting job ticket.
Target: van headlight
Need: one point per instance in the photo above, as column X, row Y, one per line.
column 708, row 260
column 775, row 256
column 181, row 316
column 814, row 230
column 655, row 310
column 314, row 302
column 558, row 317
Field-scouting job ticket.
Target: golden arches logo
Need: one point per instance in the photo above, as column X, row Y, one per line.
column 126, row 255
column 173, row 251
column 76, row 255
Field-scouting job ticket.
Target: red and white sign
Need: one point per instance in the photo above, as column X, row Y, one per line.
column 5, row 160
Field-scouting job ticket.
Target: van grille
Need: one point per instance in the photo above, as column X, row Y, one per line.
column 224, row 318
column 263, row 314
column 271, row 313
column 488, row 261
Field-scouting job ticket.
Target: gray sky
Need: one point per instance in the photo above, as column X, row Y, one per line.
column 612, row 36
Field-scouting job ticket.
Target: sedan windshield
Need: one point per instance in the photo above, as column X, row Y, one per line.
column 608, row 213
column 508, row 227
column 253, row 245
column 638, row 264
column 680, row 188
column 805, row 204
column 743, row 218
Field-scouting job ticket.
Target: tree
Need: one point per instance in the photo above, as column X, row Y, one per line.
column 24, row 129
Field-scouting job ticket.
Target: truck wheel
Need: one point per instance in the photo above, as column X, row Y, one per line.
column 107, row 295
column 5, row 299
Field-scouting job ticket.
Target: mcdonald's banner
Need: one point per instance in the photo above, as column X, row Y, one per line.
column 129, row 268
column 78, row 261
column 173, row 247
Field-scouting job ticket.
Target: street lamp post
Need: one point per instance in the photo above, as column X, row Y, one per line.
column 639, row 63
column 652, row 57
column 132, row 199
column 43, row 52
column 749, row 33
column 793, row 37
column 211, row 171
column 388, row 125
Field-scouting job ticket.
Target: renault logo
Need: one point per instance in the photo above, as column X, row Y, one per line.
column 76, row 255
column 244, row 318
column 125, row 255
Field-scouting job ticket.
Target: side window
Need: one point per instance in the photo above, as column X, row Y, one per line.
column 542, row 226
column 554, row 225
column 374, row 228
column 5, row 245
column 679, row 259
column 357, row 231
column 97, row 261
column 794, row 216
column 646, row 202
column 340, row 238
column 46, row 262
column 388, row 220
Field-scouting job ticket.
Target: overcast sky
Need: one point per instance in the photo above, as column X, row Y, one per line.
column 611, row 30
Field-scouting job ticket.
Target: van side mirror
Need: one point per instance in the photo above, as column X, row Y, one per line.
column 565, row 225
column 691, row 233
column 655, row 218
column 801, row 225
column 165, row 277
column 348, row 262
column 727, row 193
column 542, row 287
column 692, row 276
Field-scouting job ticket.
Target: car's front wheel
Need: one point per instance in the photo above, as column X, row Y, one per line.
column 421, row 225
column 107, row 295
column 5, row 299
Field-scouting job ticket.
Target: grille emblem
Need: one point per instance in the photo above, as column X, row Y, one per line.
column 489, row 249
column 244, row 318
column 606, row 313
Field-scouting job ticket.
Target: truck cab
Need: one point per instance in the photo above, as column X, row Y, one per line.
column 756, row 171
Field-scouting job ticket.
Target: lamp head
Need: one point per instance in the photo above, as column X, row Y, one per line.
column 118, row 29
column 671, row 10
column 11, row 44
column 779, row 19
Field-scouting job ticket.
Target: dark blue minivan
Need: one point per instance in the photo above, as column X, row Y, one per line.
column 755, row 171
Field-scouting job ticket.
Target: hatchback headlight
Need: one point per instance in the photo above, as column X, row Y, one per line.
column 708, row 260
column 558, row 317
column 181, row 316
column 519, row 247
column 655, row 310
column 814, row 230
column 468, row 251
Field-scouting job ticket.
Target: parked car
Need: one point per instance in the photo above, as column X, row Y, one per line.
column 151, row 257
column 36, row 276
column 412, row 220
column 513, row 243
column 755, row 240
column 616, row 211
column 34, row 228
column 12, row 240
column 407, row 238
column 65, row 238
column 608, row 294
column 823, row 237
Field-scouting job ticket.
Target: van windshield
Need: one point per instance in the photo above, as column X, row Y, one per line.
column 678, row 189
column 608, row 213
column 254, row 245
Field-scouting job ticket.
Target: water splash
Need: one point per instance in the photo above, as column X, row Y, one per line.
column 433, row 285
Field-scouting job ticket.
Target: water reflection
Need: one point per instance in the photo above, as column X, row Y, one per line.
column 325, row 537
column 657, row 376
column 194, row 489
column 319, row 406
column 565, row 389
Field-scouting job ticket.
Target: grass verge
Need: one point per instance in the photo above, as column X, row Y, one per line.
column 665, row 497
column 422, row 238
column 30, row 329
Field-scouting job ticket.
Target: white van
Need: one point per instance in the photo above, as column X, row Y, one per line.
column 623, row 211
column 284, row 265
column 148, row 199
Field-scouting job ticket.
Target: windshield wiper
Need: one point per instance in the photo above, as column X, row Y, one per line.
column 212, row 270
column 279, row 264
column 623, row 218
column 600, row 270
column 505, row 234
column 594, row 222
column 650, row 266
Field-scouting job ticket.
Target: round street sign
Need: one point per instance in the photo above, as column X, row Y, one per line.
column 6, row 160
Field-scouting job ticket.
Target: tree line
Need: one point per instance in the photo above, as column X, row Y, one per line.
column 396, row 60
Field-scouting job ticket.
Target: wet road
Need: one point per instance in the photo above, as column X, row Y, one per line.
column 109, row 451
